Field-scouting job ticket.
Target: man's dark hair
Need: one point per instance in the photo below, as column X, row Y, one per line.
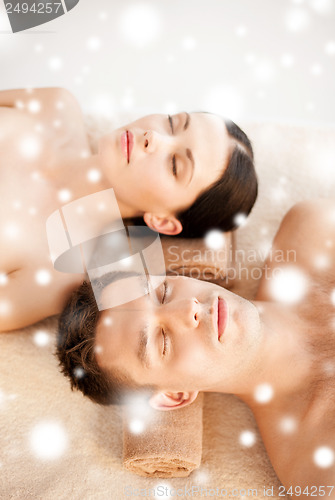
column 76, row 349
column 233, row 194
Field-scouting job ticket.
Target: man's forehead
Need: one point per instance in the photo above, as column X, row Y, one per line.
column 123, row 291
column 126, row 290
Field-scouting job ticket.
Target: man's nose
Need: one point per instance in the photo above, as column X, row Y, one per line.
column 184, row 312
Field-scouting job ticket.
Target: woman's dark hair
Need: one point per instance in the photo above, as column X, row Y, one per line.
column 232, row 195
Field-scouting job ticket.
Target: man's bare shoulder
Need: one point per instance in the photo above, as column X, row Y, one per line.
column 312, row 460
column 302, row 449
column 305, row 241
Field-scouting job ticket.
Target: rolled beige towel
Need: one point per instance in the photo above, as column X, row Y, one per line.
column 170, row 445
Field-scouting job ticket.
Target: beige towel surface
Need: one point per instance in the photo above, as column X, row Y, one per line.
column 170, row 445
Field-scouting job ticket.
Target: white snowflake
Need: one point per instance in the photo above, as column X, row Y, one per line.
column 170, row 58
column 316, row 69
column 43, row 277
column 224, row 100
column 324, row 457
column 215, row 239
column 108, row 321
column 34, row 106
column 64, row 195
column 102, row 105
column 287, row 60
column 241, row 31
column 240, row 219
column 48, row 440
column 30, row 147
column 6, row 307
column 288, row 425
column 140, row 24
column 57, row 123
column 247, row 438
column 264, row 71
column 11, row 231
column 93, row 43
column 189, row 43
column 250, row 58
column 330, row 48
column 297, row 19
column 94, row 175
column 3, row 279
column 17, row 205
column 41, row 338
column 19, row 104
column 201, row 475
column 289, row 285
column 321, row 261
column 98, row 349
column 263, row 393
column 322, row 7
column 60, row 105
column 136, row 426
column 79, row 372
column 55, row 63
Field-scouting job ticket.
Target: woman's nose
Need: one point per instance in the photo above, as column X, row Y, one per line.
column 150, row 140
column 153, row 140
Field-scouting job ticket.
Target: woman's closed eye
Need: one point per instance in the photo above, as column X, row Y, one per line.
column 165, row 343
column 174, row 166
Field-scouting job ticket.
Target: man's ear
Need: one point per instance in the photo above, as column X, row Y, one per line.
column 165, row 401
column 165, row 224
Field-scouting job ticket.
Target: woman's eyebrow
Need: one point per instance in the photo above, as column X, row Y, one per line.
column 187, row 122
column 190, row 157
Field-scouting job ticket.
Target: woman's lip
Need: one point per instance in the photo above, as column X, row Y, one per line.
column 127, row 144
column 222, row 317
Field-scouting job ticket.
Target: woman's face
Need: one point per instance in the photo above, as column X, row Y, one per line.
column 160, row 164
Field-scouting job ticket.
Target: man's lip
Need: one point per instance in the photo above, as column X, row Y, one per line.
column 222, row 317
column 127, row 144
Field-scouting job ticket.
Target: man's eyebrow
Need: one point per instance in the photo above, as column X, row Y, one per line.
column 190, row 157
column 187, row 122
column 142, row 352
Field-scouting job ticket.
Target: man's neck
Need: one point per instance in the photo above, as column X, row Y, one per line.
column 285, row 363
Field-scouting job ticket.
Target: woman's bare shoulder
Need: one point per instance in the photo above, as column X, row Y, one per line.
column 55, row 110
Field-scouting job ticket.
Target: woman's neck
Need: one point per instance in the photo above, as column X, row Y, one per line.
column 82, row 176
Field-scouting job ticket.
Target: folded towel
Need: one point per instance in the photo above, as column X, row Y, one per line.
column 170, row 446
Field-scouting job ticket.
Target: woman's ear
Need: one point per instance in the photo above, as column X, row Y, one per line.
column 165, row 224
column 166, row 401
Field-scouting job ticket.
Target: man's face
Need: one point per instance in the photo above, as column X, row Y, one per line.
column 184, row 335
